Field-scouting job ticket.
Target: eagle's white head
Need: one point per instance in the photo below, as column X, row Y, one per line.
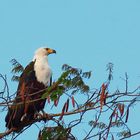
column 43, row 52
column 41, row 67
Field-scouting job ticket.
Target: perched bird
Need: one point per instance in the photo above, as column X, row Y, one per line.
column 35, row 78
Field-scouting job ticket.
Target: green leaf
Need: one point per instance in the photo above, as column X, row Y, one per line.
column 15, row 78
column 17, row 67
column 86, row 75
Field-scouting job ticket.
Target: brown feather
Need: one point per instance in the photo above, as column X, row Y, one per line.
column 29, row 96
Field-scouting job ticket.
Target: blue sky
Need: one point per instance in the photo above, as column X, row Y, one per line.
column 85, row 33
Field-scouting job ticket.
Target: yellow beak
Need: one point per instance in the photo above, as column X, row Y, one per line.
column 50, row 51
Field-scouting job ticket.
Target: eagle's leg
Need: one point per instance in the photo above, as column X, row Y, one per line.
column 42, row 115
column 45, row 115
column 37, row 115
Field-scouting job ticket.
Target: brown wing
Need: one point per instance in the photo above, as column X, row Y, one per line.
column 27, row 101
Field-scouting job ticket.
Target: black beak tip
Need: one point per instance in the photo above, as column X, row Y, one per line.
column 54, row 51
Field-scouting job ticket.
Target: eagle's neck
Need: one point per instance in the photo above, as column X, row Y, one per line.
column 42, row 70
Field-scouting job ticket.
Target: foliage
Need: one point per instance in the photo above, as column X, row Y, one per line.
column 70, row 79
column 17, row 69
column 55, row 133
column 110, row 110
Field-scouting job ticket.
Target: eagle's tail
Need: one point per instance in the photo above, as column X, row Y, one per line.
column 13, row 118
column 17, row 118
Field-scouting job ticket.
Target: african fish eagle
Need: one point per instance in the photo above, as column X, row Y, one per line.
column 35, row 78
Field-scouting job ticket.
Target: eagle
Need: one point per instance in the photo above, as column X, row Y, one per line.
column 36, row 77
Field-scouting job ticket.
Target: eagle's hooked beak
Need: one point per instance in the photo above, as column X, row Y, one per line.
column 50, row 51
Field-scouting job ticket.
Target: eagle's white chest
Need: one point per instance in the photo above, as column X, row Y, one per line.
column 43, row 71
